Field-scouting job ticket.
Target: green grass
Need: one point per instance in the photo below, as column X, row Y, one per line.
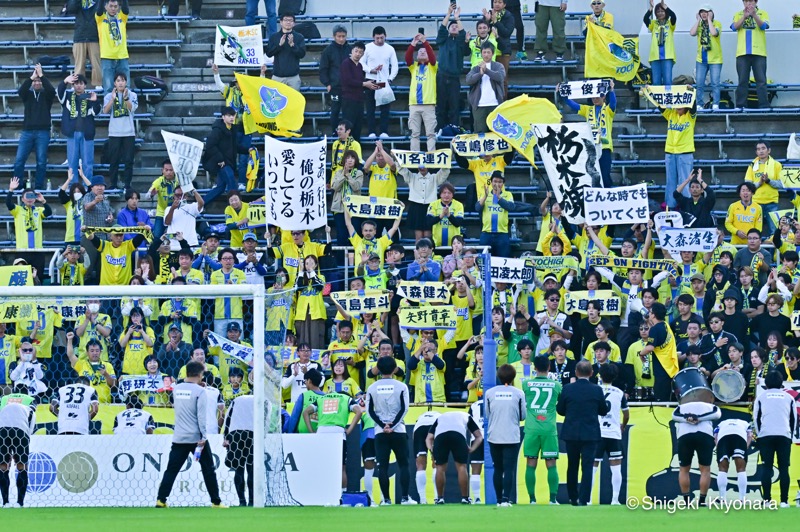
column 400, row 518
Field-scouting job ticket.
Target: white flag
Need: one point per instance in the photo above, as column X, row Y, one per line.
column 184, row 154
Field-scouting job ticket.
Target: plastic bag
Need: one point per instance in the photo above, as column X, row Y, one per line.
column 384, row 96
column 793, row 151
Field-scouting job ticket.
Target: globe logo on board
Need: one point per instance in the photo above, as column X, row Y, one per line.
column 77, row 472
column 41, row 472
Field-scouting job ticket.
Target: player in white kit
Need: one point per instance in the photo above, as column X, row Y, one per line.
column 421, row 427
column 476, row 458
column 238, row 434
column 733, row 437
column 612, row 426
column 133, row 420
column 75, row 405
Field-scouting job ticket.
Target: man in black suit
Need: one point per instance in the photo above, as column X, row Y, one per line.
column 580, row 403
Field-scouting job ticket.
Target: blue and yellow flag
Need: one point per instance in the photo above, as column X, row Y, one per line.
column 512, row 121
column 610, row 55
column 253, row 163
column 276, row 108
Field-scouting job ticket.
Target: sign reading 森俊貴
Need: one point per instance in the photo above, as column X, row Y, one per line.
column 640, row 264
column 184, row 154
column 478, row 144
column 239, row 46
column 572, row 161
column 588, row 88
column 424, row 292
column 427, row 317
column 514, row 271
column 578, row 301
column 294, row 176
column 616, row 206
column 357, row 302
column 688, row 239
column 669, row 97
column 373, row 207
column 415, row 159
column 554, row 262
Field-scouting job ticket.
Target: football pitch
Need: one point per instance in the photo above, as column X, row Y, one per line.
column 400, row 518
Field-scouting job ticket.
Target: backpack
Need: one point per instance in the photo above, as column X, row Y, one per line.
column 152, row 82
column 308, row 30
column 57, row 61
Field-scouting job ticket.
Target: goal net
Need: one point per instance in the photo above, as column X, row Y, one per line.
column 95, row 366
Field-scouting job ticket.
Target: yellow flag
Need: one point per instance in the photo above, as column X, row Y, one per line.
column 253, row 162
column 610, row 55
column 276, row 108
column 512, row 121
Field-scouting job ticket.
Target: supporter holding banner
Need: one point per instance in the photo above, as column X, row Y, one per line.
column 589, row 88
column 431, row 159
column 669, row 97
column 610, row 55
column 511, row 121
column 639, row 264
column 294, row 176
column 135, row 230
column 239, row 351
column 357, row 301
column 610, row 304
column 374, row 207
column 513, row 271
column 256, row 214
column 424, row 292
column 688, row 239
column 479, row 144
column 143, row 383
column 276, row 108
column 790, row 177
column 616, row 206
column 554, row 262
column 239, row 46
column 427, row 317
column 572, row 161
column 20, row 275
column 184, row 154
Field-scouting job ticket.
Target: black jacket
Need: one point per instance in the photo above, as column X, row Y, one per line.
column 37, row 104
column 287, row 58
column 221, row 147
column 580, row 403
column 450, row 58
column 505, row 27
column 85, row 25
column 329, row 64
column 701, row 210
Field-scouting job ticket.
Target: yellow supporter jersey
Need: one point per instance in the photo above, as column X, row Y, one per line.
column 710, row 54
column 743, row 218
column 165, row 190
column 483, row 171
column 97, row 380
column 9, row 346
column 372, row 361
column 475, row 44
column 346, row 387
column 346, row 350
column 188, row 307
column 74, row 222
column 614, row 356
column 443, row 230
column 428, row 383
column 233, row 98
column 495, row 217
column 72, row 274
column 309, row 302
column 279, row 309
column 226, row 308
column 113, row 34
column 28, row 226
column 228, row 361
column 209, row 367
column 382, row 181
column 292, row 257
column 751, row 40
column 229, row 394
column 376, row 245
column 233, row 217
column 135, row 353
column 765, row 193
column 337, row 154
column 49, row 319
column 116, row 262
column 91, row 334
column 423, row 84
column 663, row 43
column 680, row 131
column 463, row 317
column 602, row 122
column 605, row 20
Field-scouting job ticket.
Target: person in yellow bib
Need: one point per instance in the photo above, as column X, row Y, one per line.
column 422, row 92
column 427, row 374
column 100, row 374
column 482, row 168
column 709, row 54
column 236, row 219
column 381, row 169
column 163, row 189
column 679, row 148
column 661, row 342
column 116, row 256
column 765, row 173
column 445, row 216
column 744, row 214
column 662, row 47
column 112, row 29
column 28, row 216
column 494, row 203
column 751, row 25
column 367, row 242
column 137, row 342
column 227, row 309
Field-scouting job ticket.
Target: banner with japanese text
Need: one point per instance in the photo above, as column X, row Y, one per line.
column 669, row 96
column 241, row 46
column 232, row 349
column 257, row 213
column 357, row 302
column 790, row 177
column 144, row 383
column 479, row 144
column 424, row 292
column 572, row 161
column 294, row 176
column 373, row 207
column 578, row 301
column 688, row 239
column 415, row 159
column 587, row 88
column 616, row 206
column 514, row 271
column 427, row 317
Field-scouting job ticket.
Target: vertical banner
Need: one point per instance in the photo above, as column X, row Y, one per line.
column 616, row 206
column 295, row 184
column 572, row 162
column 239, row 46
column 184, row 154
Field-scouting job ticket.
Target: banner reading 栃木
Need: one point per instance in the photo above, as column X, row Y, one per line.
column 659, row 265
column 241, row 46
column 679, row 239
column 373, row 207
column 669, row 97
column 572, row 162
column 588, row 88
column 514, row 271
column 184, row 154
column 559, row 262
column 479, row 144
column 415, row 159
column 616, row 206
column 294, row 176
column 357, row 302
column 610, row 303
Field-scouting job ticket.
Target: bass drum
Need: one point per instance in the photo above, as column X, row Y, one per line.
column 690, row 385
column 728, row 385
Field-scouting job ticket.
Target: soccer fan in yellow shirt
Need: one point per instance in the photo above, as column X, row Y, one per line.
column 744, row 214
column 163, row 189
column 765, row 173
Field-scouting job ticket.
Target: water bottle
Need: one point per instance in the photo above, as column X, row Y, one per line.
column 163, row 10
column 49, row 185
column 514, row 232
column 197, row 451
